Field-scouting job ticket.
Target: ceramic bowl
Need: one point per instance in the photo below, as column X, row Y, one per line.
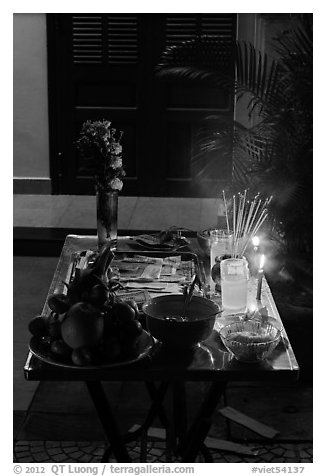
column 164, row 320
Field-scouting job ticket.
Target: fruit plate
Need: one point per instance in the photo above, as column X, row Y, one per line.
column 40, row 348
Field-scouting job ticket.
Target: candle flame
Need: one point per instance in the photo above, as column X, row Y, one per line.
column 255, row 241
column 252, row 308
column 262, row 262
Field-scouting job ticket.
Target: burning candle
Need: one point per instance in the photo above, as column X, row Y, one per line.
column 260, row 276
column 255, row 255
column 255, row 242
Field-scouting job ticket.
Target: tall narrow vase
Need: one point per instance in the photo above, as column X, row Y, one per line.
column 107, row 218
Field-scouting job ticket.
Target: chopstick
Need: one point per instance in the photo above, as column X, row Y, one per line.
column 188, row 293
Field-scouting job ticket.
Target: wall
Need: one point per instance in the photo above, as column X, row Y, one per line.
column 30, row 113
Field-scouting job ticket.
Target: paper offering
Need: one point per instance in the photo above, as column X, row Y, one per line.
column 143, row 275
column 175, row 260
column 172, row 279
column 126, row 267
column 143, row 259
column 152, row 271
column 154, row 287
column 167, row 269
column 141, row 296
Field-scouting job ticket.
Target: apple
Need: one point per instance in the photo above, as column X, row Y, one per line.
column 83, row 326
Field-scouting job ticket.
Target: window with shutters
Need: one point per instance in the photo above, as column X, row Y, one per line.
column 103, row 66
column 183, row 27
column 105, row 39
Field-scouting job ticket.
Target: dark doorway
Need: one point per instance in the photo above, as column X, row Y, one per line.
column 103, row 66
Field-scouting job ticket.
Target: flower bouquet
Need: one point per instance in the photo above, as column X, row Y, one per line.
column 99, row 144
column 101, row 149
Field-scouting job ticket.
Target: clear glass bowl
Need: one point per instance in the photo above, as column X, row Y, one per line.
column 251, row 340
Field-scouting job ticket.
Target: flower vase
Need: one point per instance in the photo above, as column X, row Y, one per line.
column 107, row 218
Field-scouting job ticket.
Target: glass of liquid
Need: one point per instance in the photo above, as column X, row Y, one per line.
column 220, row 245
column 234, row 284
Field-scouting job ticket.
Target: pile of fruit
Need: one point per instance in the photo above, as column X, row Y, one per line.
column 89, row 325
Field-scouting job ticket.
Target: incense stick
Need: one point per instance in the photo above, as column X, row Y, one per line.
column 248, row 217
column 258, row 225
column 236, row 231
column 218, row 210
column 240, row 231
column 234, row 212
column 226, row 213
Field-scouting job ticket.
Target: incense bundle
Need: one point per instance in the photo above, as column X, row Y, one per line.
column 247, row 216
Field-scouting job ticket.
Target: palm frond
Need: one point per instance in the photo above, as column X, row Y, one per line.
column 296, row 44
column 209, row 59
column 275, row 155
column 212, row 147
column 205, row 58
column 184, row 73
column 259, row 77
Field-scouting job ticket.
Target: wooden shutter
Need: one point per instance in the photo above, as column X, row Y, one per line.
column 87, row 39
column 222, row 26
column 184, row 27
column 180, row 28
column 104, row 39
column 122, row 38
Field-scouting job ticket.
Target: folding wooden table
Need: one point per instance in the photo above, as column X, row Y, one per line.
column 166, row 372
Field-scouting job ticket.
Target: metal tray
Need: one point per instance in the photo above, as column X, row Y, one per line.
column 195, row 267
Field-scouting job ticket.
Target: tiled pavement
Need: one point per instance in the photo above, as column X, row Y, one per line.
column 92, row 452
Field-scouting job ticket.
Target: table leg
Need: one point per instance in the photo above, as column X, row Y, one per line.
column 177, row 418
column 200, row 427
column 157, row 409
column 170, row 439
column 143, row 447
column 180, row 410
column 108, row 421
